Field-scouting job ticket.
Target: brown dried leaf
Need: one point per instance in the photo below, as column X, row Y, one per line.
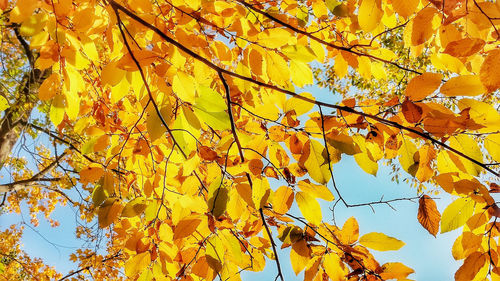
column 428, row 214
column 411, row 111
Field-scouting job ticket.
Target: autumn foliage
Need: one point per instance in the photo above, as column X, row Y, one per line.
column 180, row 131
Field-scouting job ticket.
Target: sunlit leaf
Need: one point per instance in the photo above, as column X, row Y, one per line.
column 380, row 242
column 428, row 214
column 456, row 214
column 309, row 207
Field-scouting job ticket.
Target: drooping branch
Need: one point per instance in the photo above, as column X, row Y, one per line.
column 273, row 245
column 319, row 40
column 118, row 254
column 218, row 69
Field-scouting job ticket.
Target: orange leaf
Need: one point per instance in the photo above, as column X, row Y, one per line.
column 422, row 86
column 422, row 26
column 428, row 214
column 255, row 166
column 464, row 47
column 471, row 267
column 411, row 111
column 283, row 199
column 206, row 153
column 186, row 227
column 489, row 74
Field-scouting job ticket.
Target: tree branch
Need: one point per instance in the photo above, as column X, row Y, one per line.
column 218, row 69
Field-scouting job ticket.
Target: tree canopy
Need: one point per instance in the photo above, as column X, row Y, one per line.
column 182, row 134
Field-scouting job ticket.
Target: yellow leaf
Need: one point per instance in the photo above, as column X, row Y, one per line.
column 464, row 85
column 98, row 195
column 301, row 73
column 186, row 227
column 482, row 113
column 260, row 192
column 350, row 231
column 340, row 66
column 492, row 144
column 309, row 207
column 469, row 147
column 33, row 24
column 154, row 124
column 276, row 38
column 134, row 208
column 300, row 106
column 317, row 191
column 299, row 256
column 334, row 267
column 211, row 109
column 49, row 87
column 111, row 74
column 319, row 9
column 4, row 103
column 313, row 159
column 423, row 85
column 365, row 163
column 300, row 53
column 456, row 214
column 489, row 74
column 57, row 107
column 369, row 15
column 395, row 270
column 405, row 8
column 277, row 68
column 183, row 86
column 406, row 156
column 218, row 198
column 214, row 252
column 428, row 214
column 380, row 242
column 137, row 264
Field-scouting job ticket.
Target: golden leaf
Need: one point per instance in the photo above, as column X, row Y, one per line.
column 456, row 214
column 309, row 207
column 464, row 85
column 380, row 242
column 423, row 85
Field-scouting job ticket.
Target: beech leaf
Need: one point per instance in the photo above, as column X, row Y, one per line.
column 428, row 214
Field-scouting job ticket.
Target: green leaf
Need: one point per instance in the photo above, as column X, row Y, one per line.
column 134, row 207
column 57, row 110
column 211, row 108
column 183, row 86
column 4, row 104
column 218, row 198
column 98, row 195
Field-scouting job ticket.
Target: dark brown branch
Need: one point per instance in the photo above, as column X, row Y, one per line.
column 329, row 157
column 342, row 48
column 393, row 124
column 36, row 178
column 230, row 113
column 88, row 267
column 146, row 85
column 273, row 245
